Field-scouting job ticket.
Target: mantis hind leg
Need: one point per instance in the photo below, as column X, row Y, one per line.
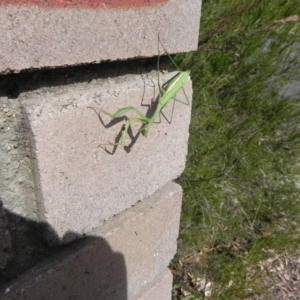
column 187, row 103
column 187, row 100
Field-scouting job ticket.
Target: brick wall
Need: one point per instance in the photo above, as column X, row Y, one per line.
column 81, row 221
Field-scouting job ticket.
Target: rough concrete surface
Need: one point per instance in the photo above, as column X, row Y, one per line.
column 81, row 185
column 161, row 289
column 5, row 244
column 17, row 190
column 122, row 259
column 21, row 237
column 35, row 36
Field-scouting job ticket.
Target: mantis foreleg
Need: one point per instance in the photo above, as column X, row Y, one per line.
column 124, row 131
column 123, row 111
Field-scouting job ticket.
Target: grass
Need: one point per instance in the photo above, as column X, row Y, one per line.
column 241, row 191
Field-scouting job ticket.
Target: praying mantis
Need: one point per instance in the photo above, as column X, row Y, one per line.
column 166, row 92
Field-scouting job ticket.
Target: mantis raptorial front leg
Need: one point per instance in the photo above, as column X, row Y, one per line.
column 121, row 112
column 166, row 92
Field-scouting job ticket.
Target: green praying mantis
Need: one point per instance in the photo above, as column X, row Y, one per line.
column 166, row 92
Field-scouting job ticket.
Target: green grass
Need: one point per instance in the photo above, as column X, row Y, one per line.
column 241, row 201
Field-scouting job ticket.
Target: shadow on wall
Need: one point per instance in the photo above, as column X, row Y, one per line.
column 85, row 269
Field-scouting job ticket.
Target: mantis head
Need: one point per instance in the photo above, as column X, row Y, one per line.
column 144, row 131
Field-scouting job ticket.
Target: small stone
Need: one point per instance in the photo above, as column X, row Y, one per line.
column 5, row 110
column 8, row 114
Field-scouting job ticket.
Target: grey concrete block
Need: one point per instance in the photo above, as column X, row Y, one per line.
column 22, row 239
column 80, row 185
column 161, row 289
column 122, row 259
column 38, row 34
column 17, row 190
